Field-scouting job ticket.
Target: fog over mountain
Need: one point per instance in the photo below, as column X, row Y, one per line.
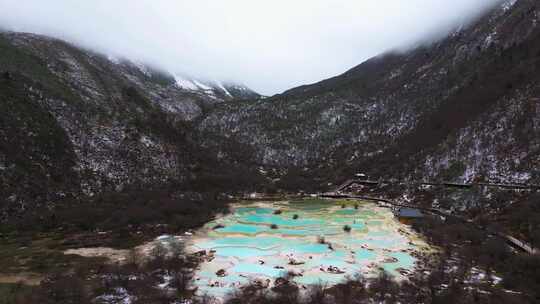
column 268, row 45
column 137, row 166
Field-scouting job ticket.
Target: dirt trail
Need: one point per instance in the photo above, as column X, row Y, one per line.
column 27, row 278
column 114, row 255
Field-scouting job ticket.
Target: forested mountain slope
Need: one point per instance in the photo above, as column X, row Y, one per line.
column 75, row 123
column 462, row 108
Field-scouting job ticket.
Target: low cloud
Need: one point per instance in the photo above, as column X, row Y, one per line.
column 268, row 45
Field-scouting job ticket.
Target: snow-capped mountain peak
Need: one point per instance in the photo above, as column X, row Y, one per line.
column 214, row 88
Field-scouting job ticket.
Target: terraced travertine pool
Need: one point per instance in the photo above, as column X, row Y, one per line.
column 257, row 242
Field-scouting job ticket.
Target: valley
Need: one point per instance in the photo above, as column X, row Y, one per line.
column 284, row 245
column 121, row 182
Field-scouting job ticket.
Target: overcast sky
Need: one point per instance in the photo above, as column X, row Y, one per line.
column 268, row 45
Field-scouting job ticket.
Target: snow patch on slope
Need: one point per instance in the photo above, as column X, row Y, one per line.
column 195, row 85
column 202, row 85
column 224, row 89
column 113, row 59
column 184, row 83
column 143, row 68
column 507, row 5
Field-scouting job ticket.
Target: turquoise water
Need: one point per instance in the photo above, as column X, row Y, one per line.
column 258, row 242
column 252, row 268
column 297, row 232
column 405, row 261
column 346, row 212
column 280, row 221
column 358, row 225
column 306, row 249
column 256, row 210
column 315, row 245
column 322, row 279
column 326, row 262
column 365, row 255
column 242, row 252
column 243, row 229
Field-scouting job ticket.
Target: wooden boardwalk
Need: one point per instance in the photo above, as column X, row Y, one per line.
column 515, row 186
column 514, row 242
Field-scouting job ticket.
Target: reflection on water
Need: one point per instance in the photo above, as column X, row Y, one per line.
column 266, row 240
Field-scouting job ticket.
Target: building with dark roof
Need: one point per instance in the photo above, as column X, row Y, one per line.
column 408, row 215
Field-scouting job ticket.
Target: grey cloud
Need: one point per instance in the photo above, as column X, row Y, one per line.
column 267, row 45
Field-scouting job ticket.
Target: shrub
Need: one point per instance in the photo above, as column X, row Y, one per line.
column 347, row 228
column 218, row 226
column 295, row 217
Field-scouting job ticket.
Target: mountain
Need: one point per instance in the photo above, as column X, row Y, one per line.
column 462, row 108
column 77, row 123
column 220, row 91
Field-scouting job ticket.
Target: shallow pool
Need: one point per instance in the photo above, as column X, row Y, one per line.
column 265, row 240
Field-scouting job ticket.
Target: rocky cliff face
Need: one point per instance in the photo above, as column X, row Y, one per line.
column 462, row 108
column 79, row 123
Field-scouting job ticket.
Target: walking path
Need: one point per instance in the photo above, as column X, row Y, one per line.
column 516, row 186
column 389, row 203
